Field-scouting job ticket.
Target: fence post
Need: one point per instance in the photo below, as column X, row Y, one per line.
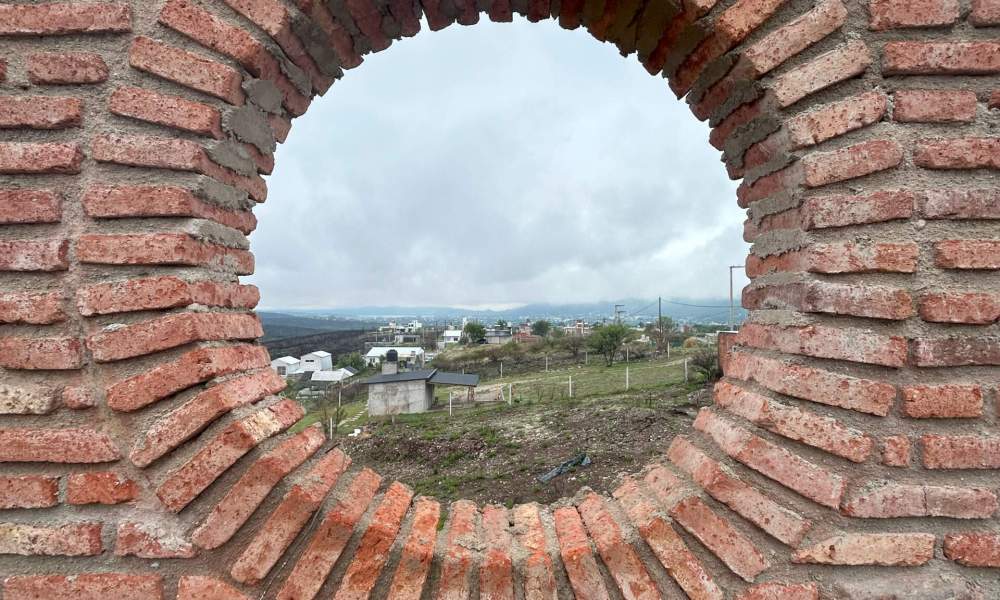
column 570, row 386
column 501, row 369
column 626, row 378
column 510, row 394
column 685, row 370
column 449, row 403
column 546, row 363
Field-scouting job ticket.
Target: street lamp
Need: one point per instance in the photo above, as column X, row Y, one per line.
column 732, row 306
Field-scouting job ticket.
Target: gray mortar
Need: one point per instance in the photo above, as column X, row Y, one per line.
column 251, row 126
column 264, row 93
column 215, row 233
column 318, row 45
column 232, row 156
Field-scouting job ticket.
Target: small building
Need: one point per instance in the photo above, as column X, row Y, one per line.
column 334, row 376
column 320, row 360
column 580, row 329
column 396, row 392
column 408, row 356
column 449, row 337
column 286, row 365
column 498, row 335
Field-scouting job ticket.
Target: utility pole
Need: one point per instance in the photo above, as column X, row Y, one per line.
column 659, row 319
column 619, row 309
column 732, row 306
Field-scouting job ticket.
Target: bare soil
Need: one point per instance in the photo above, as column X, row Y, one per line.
column 495, row 454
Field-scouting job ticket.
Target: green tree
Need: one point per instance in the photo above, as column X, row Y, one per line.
column 474, row 332
column 573, row 344
column 607, row 340
column 352, row 360
column 541, row 328
column 660, row 333
column 501, row 324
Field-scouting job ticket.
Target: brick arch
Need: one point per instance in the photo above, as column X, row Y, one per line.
column 852, row 447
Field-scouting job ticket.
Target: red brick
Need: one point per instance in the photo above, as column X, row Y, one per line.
column 888, row 500
column 820, row 212
column 620, row 558
column 170, row 331
column 31, row 309
column 84, row 586
column 574, row 546
column 825, row 433
column 71, row 539
column 72, row 445
column 961, row 204
column 941, row 58
column 538, row 571
column 781, row 591
column 457, row 566
column 417, row 553
column 34, row 255
column 977, row 308
column 30, row 206
column 882, row 549
column 787, row 41
column 843, row 62
column 973, row 549
column 160, row 201
column 145, row 541
column 342, row 42
column 934, row 106
column 160, row 249
column 741, row 116
column 965, row 153
column 189, row 369
column 162, row 292
column 854, row 161
column 496, row 571
column 100, row 487
column 967, row 254
column 62, row 18
column 897, row 14
column 896, row 451
column 184, row 422
column 942, row 401
column 828, row 342
column 66, row 68
column 56, row 353
column 187, row 69
column 40, row 112
column 38, row 157
column 776, row 462
column 961, row 452
column 985, row 13
column 841, row 257
column 249, row 492
column 816, row 385
column 836, row 119
column 731, row 547
column 874, row 302
column 373, row 550
column 197, row 587
column 956, row 351
column 78, row 397
column 171, row 111
column 325, row 545
column 28, row 491
column 221, row 452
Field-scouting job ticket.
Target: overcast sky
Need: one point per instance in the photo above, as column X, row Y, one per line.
column 494, row 165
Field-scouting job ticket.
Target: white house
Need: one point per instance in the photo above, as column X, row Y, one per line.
column 286, row 365
column 319, row 360
column 450, row 337
column 410, row 356
column 334, row 376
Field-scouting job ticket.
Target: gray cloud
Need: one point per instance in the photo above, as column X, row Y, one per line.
column 499, row 163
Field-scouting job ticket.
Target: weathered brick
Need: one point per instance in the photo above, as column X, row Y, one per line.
column 373, row 550
column 147, row 541
column 84, row 586
column 960, row 451
column 40, row 112
column 781, row 591
column 843, row 62
column 249, row 492
column 888, row 500
column 985, row 13
column 828, row 342
column 883, row 549
column 934, row 106
column 78, row 397
column 731, row 547
column 787, row 41
column 779, row 182
column 897, row 14
column 325, row 545
column 417, row 553
column 221, row 452
column 942, row 401
column 170, row 331
column 962, row 153
column 30, row 206
column 977, row 308
column 896, row 451
column 961, row 204
column 40, row 157
column 20, row 399
column 187, row 69
column 621, row 559
column 62, row 18
column 189, row 369
column 34, row 255
column 840, row 257
column 100, row 487
column 457, row 565
column 198, row 587
column 876, row 302
column 744, row 114
column 941, row 58
column 160, row 201
column 56, row 353
column 578, row 559
column 538, row 570
column 160, row 249
column 956, row 351
column 171, row 111
column 854, row 161
column 162, row 292
column 973, row 549
column 496, row 571
column 70, row 445
column 31, row 309
column 71, row 539
column 836, row 119
column 967, row 254
column 28, row 491
column 66, row 68
column 820, row 212
column 184, row 422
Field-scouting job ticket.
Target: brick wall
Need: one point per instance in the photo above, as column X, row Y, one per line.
column 853, row 448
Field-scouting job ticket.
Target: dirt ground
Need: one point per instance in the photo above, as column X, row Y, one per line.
column 494, row 454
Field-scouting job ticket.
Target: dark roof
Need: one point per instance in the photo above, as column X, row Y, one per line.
column 429, row 375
